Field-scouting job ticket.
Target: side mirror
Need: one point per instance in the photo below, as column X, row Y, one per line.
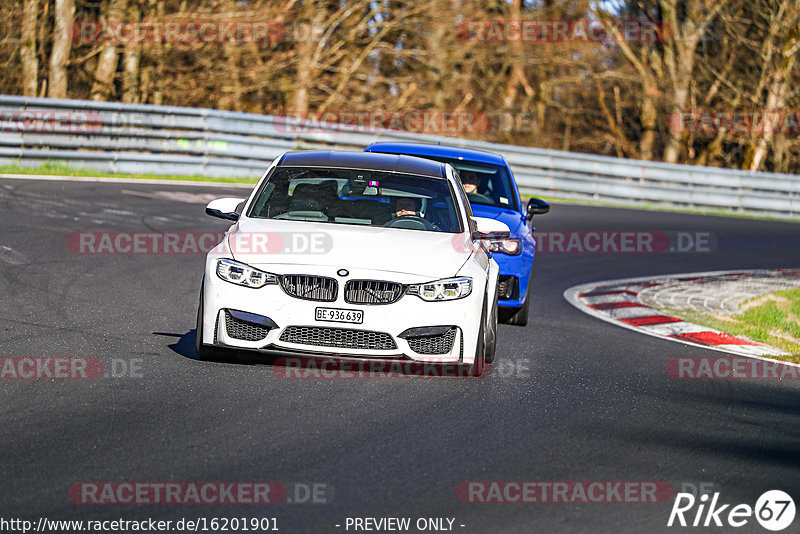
column 225, row 208
column 490, row 229
column 537, row 206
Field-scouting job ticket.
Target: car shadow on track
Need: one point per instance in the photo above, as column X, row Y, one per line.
column 311, row 366
column 185, row 346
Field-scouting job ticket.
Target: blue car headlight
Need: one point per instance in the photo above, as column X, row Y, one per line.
column 512, row 247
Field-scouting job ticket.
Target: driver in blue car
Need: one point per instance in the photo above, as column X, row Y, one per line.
column 470, row 181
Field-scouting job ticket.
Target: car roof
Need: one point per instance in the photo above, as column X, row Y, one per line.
column 364, row 160
column 442, row 151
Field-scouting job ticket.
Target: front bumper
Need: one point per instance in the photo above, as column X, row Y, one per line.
column 515, row 274
column 268, row 319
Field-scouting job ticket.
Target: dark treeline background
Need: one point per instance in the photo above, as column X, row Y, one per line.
column 611, row 97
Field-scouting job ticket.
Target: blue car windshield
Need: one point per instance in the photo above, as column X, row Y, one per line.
column 484, row 183
column 358, row 197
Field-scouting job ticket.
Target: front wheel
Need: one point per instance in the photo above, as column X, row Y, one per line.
column 491, row 344
column 479, row 365
column 204, row 352
column 518, row 316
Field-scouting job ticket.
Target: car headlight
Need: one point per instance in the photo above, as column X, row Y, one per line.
column 448, row 289
column 512, row 247
column 244, row 275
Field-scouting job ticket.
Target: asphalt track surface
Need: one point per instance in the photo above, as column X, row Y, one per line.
column 597, row 403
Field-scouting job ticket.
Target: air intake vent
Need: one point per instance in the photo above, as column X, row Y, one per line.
column 309, row 287
column 338, row 337
column 246, row 331
column 372, row 292
column 507, row 287
column 438, row 344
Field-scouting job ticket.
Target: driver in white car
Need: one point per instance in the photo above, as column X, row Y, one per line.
column 406, row 206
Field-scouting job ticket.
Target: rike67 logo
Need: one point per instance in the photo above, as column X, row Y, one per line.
column 774, row 511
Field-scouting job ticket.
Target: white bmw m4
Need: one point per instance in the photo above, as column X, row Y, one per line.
column 353, row 255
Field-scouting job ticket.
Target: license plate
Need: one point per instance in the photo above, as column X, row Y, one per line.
column 338, row 315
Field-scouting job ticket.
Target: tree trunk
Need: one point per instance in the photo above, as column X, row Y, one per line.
column 62, row 43
column 155, row 76
column 306, row 66
column 130, row 63
column 775, row 100
column 517, row 76
column 103, row 85
column 776, row 96
column 27, row 50
column 648, row 116
column 680, row 54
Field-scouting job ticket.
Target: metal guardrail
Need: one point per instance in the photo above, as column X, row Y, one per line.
column 147, row 139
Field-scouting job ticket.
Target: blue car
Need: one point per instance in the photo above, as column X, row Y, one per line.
column 493, row 193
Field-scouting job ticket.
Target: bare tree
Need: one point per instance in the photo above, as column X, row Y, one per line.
column 517, row 77
column 130, row 61
column 30, row 62
column 62, row 43
column 779, row 58
column 680, row 54
column 612, row 96
column 109, row 57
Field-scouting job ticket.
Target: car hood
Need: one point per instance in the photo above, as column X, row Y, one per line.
column 263, row 242
column 511, row 218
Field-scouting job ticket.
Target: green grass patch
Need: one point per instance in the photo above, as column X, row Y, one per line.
column 772, row 319
column 58, row 169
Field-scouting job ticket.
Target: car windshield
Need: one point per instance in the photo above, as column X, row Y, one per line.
column 358, row 197
column 484, row 183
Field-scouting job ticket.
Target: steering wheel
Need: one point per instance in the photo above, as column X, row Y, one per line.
column 412, row 222
column 479, row 198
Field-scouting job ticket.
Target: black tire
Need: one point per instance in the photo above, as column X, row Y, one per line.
column 491, row 343
column 519, row 316
column 479, row 365
column 204, row 352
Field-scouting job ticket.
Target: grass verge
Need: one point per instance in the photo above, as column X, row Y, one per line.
column 57, row 169
column 773, row 319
